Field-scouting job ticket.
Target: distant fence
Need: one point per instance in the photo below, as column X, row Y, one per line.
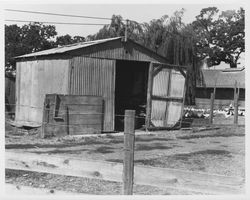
column 64, row 114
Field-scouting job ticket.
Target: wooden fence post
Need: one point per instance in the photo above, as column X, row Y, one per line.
column 128, row 162
column 236, row 104
column 149, row 94
column 46, row 108
column 67, row 119
column 211, row 108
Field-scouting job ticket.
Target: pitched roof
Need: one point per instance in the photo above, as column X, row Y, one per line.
column 67, row 48
column 223, row 78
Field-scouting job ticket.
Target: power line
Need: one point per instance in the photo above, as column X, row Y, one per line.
column 65, row 23
column 57, row 14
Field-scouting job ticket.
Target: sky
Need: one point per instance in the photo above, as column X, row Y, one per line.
column 137, row 12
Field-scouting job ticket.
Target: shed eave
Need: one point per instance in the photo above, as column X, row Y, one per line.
column 67, row 48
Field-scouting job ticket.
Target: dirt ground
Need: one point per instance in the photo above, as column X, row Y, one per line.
column 218, row 150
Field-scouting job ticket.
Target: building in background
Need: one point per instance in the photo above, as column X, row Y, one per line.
column 224, row 81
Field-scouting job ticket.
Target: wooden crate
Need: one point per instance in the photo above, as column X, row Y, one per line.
column 72, row 115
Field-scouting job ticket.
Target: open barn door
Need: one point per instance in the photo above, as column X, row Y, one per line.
column 165, row 96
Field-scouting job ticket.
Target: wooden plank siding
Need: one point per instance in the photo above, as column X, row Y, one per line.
column 73, row 115
column 34, row 80
column 96, row 77
column 203, row 103
column 10, row 84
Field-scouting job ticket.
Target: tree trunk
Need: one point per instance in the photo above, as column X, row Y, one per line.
column 233, row 65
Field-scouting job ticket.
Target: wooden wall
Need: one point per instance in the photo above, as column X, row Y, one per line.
column 10, row 89
column 34, row 79
column 72, row 115
column 218, row 103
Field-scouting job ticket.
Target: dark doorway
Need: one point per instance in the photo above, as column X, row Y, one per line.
column 130, row 91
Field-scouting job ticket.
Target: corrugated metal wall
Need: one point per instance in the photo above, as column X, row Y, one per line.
column 34, row 80
column 177, row 87
column 160, row 88
column 119, row 50
column 167, row 97
column 92, row 76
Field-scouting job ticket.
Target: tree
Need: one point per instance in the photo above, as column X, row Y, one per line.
column 13, row 46
column 26, row 39
column 31, row 38
column 115, row 29
column 168, row 36
column 67, row 39
column 220, row 37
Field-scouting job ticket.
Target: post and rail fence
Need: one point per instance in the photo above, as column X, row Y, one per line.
column 126, row 173
column 236, row 104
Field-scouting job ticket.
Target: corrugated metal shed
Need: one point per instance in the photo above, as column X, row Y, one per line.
column 223, row 78
column 90, row 68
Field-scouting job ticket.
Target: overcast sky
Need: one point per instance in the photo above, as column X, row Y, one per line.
column 138, row 12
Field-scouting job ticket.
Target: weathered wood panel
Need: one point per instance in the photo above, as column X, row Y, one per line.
column 203, row 103
column 154, row 176
column 96, row 77
column 18, row 90
column 67, row 115
column 10, row 90
column 34, row 80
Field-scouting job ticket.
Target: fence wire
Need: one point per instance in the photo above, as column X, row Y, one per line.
column 64, row 113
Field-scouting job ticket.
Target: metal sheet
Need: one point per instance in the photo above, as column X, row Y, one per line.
column 158, row 113
column 66, row 48
column 167, row 92
column 160, row 83
column 173, row 114
column 177, row 84
column 96, row 77
column 111, row 48
column 35, row 79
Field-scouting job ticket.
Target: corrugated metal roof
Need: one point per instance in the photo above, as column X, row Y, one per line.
column 223, row 78
column 67, row 48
